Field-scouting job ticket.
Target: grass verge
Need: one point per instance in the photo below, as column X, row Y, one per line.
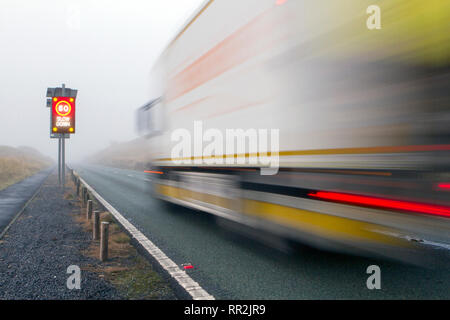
column 17, row 164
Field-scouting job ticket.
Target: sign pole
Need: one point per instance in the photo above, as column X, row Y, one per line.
column 59, row 161
column 63, row 168
column 63, row 164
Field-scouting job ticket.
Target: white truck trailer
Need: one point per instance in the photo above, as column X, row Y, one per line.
column 343, row 111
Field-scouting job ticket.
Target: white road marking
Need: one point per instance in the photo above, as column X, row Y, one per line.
column 437, row 244
column 183, row 279
column 440, row 245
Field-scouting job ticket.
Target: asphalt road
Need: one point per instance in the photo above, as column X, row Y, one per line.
column 231, row 266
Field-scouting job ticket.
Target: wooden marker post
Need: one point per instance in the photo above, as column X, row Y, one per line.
column 89, row 210
column 96, row 225
column 104, row 241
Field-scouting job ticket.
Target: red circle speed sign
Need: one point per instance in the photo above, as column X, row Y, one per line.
column 63, row 108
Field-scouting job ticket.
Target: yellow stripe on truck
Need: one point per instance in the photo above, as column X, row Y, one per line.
column 320, row 224
column 325, row 225
column 334, row 151
column 185, row 194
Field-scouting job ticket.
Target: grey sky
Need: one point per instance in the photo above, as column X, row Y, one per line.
column 105, row 49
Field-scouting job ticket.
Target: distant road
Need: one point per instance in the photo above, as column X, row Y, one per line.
column 14, row 197
column 230, row 266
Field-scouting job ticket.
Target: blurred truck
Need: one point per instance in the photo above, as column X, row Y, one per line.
column 360, row 154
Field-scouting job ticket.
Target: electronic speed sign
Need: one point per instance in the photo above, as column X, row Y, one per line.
column 63, row 115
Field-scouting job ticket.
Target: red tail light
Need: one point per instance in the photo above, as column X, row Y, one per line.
column 444, row 186
column 383, row 203
column 151, row 171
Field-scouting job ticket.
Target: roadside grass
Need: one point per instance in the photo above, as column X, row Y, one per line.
column 125, row 268
column 14, row 170
column 68, row 196
column 121, row 238
column 18, row 164
column 138, row 283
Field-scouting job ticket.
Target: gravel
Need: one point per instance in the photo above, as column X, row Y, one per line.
column 39, row 247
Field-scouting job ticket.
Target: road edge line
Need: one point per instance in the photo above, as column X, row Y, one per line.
column 191, row 287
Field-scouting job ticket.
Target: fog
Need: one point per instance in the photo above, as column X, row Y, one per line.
column 105, row 49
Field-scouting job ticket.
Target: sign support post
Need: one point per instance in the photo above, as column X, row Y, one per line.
column 63, row 159
column 62, row 122
column 59, row 161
